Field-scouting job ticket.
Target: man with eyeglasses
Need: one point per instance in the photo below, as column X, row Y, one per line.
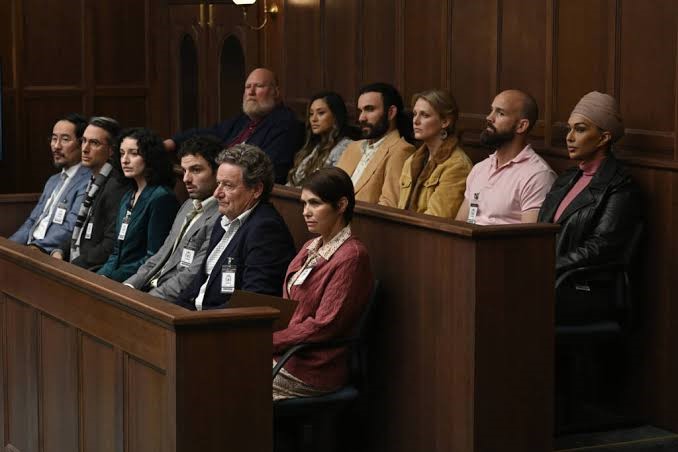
column 93, row 237
column 53, row 218
column 265, row 122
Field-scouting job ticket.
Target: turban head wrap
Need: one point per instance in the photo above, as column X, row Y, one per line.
column 603, row 111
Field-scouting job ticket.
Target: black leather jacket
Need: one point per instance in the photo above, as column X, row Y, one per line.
column 599, row 222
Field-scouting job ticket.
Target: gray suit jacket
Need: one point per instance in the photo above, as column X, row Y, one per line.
column 175, row 276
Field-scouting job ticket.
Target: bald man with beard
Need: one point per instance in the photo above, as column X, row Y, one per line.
column 510, row 185
column 265, row 122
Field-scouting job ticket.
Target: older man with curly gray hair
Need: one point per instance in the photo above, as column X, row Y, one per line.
column 250, row 245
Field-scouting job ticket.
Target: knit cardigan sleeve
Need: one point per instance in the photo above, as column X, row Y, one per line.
column 342, row 299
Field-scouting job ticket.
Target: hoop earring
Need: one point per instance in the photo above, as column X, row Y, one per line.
column 443, row 134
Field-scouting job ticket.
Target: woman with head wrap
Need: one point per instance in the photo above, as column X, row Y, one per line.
column 597, row 206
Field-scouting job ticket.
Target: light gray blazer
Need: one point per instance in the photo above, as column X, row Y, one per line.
column 175, row 276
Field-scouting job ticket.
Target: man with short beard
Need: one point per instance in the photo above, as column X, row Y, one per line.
column 376, row 162
column 177, row 262
column 265, row 122
column 53, row 218
column 511, row 184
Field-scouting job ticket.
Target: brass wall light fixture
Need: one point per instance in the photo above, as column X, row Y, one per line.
column 272, row 11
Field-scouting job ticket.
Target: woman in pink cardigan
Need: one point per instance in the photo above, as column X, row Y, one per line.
column 332, row 281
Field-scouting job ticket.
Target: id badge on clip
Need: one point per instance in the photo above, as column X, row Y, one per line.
column 123, row 227
column 473, row 209
column 187, row 256
column 59, row 214
column 88, row 232
column 228, row 277
column 302, row 276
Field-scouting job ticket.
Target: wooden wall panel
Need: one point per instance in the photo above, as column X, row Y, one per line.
column 102, row 392
column 22, row 362
column 52, row 54
column 40, row 115
column 382, row 38
column 523, row 48
column 473, row 51
column 10, row 149
column 3, row 365
column 59, row 386
column 657, row 319
column 121, row 60
column 645, row 80
column 303, row 69
column 6, row 43
column 581, row 53
column 77, row 48
column 130, row 111
column 425, row 48
column 342, row 57
column 145, row 408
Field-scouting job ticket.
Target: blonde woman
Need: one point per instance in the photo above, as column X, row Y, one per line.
column 434, row 177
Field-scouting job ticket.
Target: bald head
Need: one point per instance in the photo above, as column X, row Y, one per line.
column 261, row 93
column 523, row 104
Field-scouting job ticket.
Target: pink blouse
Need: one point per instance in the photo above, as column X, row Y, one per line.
column 589, row 169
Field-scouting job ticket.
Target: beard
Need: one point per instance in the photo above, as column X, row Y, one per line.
column 374, row 131
column 257, row 109
column 496, row 139
column 59, row 164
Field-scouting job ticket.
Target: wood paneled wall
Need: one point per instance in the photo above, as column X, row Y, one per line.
column 91, row 57
column 111, row 57
column 557, row 50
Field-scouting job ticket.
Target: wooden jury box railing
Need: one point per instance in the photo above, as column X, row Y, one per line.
column 461, row 351
column 89, row 364
column 461, row 354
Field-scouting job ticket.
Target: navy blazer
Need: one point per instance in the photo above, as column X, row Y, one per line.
column 149, row 225
column 262, row 248
column 280, row 135
column 72, row 197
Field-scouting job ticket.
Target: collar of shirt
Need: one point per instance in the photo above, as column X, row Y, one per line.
column 70, row 172
column 367, row 147
column 590, row 168
column 523, row 155
column 328, row 249
column 201, row 206
column 240, row 219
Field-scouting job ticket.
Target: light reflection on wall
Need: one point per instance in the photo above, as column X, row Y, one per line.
column 303, row 3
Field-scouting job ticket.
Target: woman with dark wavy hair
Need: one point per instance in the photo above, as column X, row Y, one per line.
column 326, row 139
column 148, row 209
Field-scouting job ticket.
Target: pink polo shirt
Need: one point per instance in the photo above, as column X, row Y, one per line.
column 504, row 193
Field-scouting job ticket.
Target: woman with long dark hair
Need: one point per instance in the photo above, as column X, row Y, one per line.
column 326, row 139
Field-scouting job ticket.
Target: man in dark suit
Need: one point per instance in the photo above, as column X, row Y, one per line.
column 250, row 246
column 93, row 237
column 265, row 122
column 178, row 261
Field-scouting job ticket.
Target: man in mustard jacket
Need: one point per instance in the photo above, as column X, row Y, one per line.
column 376, row 162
